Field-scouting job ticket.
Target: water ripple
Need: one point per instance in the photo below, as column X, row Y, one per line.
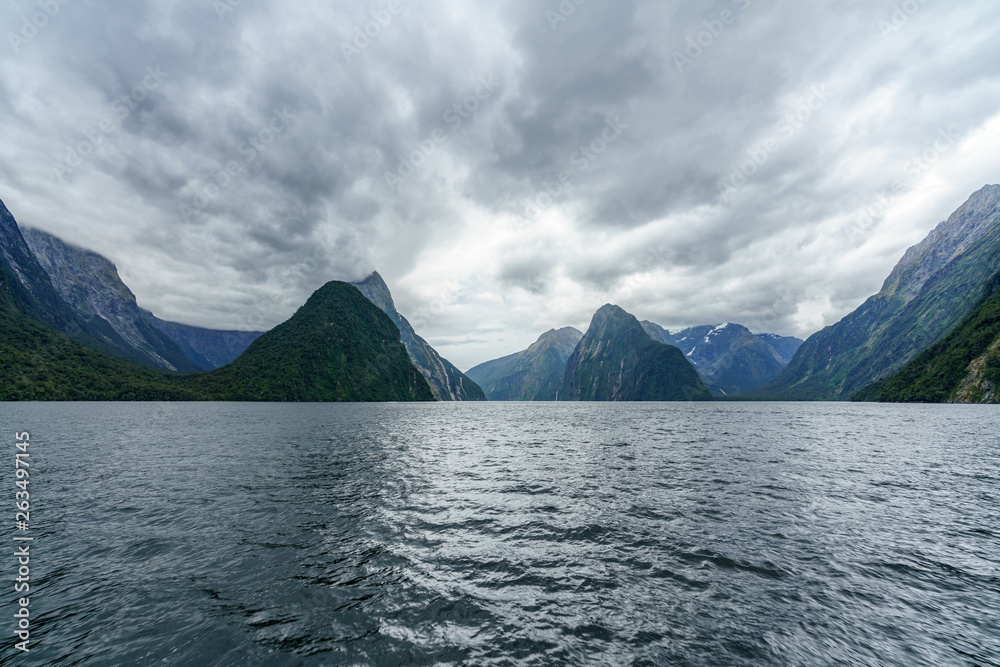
column 737, row 534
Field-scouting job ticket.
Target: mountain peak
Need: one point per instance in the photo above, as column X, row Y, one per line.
column 611, row 309
column 986, row 195
column 976, row 220
column 337, row 347
column 374, row 278
column 447, row 382
column 557, row 334
column 6, row 217
column 618, row 361
column 611, row 313
column 375, row 289
column 534, row 374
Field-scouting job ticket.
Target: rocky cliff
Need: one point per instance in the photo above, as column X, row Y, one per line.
column 446, row 381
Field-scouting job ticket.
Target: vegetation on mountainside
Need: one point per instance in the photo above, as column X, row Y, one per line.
column 618, row 361
column 337, row 347
column 936, row 375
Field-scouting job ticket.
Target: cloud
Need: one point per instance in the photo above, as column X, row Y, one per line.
column 743, row 177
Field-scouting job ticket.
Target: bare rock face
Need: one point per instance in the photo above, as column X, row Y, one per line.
column 446, row 381
column 981, row 384
column 936, row 284
column 28, row 289
column 91, row 285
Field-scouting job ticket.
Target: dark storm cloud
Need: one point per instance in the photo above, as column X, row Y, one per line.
column 697, row 162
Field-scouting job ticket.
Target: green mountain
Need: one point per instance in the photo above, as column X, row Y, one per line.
column 447, row 382
column 534, row 374
column 936, row 284
column 963, row 367
column 40, row 364
column 729, row 357
column 618, row 361
column 337, row 347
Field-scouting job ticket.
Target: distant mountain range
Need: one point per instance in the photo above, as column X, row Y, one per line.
column 70, row 329
column 730, row 358
column 206, row 348
column 936, row 284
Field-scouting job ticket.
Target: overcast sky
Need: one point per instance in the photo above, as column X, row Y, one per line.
column 507, row 166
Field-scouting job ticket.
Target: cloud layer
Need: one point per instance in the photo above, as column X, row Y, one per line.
column 508, row 166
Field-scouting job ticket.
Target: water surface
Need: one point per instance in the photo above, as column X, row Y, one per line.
column 511, row 534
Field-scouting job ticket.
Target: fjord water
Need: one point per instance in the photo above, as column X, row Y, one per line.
column 511, row 534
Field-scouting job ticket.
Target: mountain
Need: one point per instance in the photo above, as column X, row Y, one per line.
column 91, row 285
column 38, row 363
column 963, row 367
column 784, row 346
column 31, row 293
column 534, row 374
column 447, row 382
column 30, row 290
column 206, row 348
column 936, row 284
column 617, row 361
column 79, row 293
column 730, row 358
column 336, row 347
